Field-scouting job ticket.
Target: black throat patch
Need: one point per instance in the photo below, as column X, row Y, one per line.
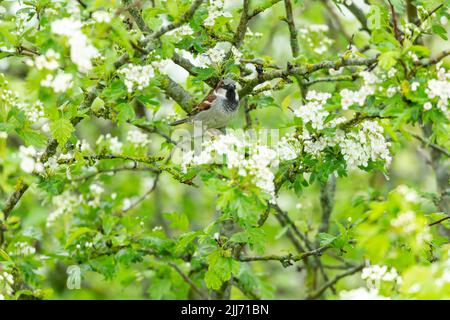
column 231, row 102
column 231, row 95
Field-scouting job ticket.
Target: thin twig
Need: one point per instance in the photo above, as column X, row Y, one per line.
column 439, row 221
column 330, row 283
column 189, row 281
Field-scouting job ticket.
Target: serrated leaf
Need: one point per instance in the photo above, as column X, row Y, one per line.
column 388, row 59
column 76, row 234
column 220, row 269
column 325, row 238
column 31, row 137
column 61, row 130
column 126, row 112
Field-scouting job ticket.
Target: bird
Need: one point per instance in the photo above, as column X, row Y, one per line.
column 217, row 108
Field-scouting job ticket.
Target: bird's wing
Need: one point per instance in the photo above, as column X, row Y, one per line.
column 207, row 102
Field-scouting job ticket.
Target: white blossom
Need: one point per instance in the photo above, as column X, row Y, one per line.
column 361, row 294
column 6, row 284
column 112, row 143
column 358, row 97
column 81, row 50
column 61, row 82
column 181, row 32
column 101, row 16
column 231, row 148
column 27, row 158
column 216, row 10
column 358, row 147
column 408, row 224
column 414, row 86
column 136, row 76
column 138, row 138
column 23, row 249
column 47, row 61
column 374, row 275
column 313, row 111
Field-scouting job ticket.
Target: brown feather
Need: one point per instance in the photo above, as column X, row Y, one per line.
column 206, row 103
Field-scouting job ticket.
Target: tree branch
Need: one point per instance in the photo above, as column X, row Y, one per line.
column 333, row 281
column 427, row 143
column 303, row 71
column 286, row 260
column 292, row 29
column 184, row 18
column 190, row 282
column 262, row 8
column 359, row 15
column 135, row 12
column 250, row 294
column 242, row 27
column 327, row 192
column 438, row 221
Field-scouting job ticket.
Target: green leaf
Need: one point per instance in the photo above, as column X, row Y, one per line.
column 4, row 256
column 220, row 269
column 76, row 234
column 178, row 220
column 31, row 137
column 325, row 239
column 255, row 237
column 388, row 59
column 97, row 104
column 440, row 31
column 126, row 112
column 62, row 130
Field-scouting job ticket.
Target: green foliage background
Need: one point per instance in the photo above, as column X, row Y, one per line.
column 192, row 235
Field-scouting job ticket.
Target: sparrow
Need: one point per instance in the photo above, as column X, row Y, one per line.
column 217, row 109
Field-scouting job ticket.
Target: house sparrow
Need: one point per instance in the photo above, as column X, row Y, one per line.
column 217, row 109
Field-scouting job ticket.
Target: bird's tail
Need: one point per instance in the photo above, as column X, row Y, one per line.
column 179, row 122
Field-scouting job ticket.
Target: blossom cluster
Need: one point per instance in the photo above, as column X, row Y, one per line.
column 23, row 249
column 439, row 89
column 47, row 61
column 358, row 147
column 60, row 82
column 313, row 111
column 110, row 142
column 368, row 143
column 314, row 36
column 213, row 56
column 101, row 16
column 96, row 191
column 358, row 97
column 216, row 10
column 138, row 138
column 136, row 76
column 34, row 112
column 81, row 49
column 375, row 275
column 27, row 157
column 63, row 203
column 181, row 32
column 412, row 226
column 247, row 156
column 6, row 285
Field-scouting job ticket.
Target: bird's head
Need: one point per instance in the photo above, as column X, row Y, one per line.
column 227, row 84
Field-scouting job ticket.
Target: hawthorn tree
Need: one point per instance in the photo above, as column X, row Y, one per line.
column 334, row 183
